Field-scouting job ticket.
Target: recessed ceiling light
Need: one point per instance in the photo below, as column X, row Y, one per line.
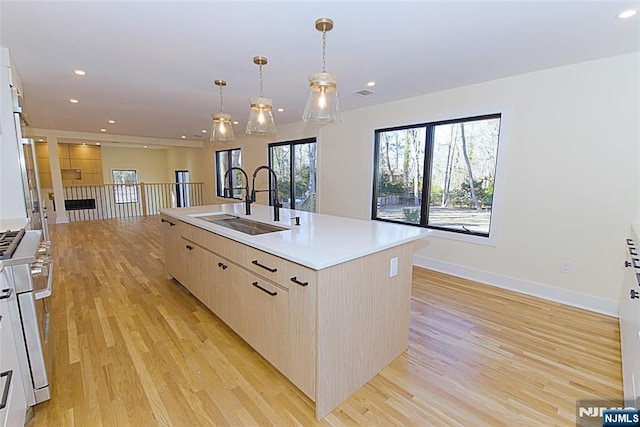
column 73, row 101
column 204, row 131
column 97, row 143
column 84, row 143
column 235, row 122
column 371, row 84
column 627, row 14
column 79, row 73
column 103, row 130
column 112, row 121
column 40, row 140
column 183, row 137
column 280, row 110
column 145, row 146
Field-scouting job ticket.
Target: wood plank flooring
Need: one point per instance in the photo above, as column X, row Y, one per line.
column 135, row 349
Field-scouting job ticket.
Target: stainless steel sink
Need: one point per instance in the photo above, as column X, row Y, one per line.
column 215, row 217
column 243, row 225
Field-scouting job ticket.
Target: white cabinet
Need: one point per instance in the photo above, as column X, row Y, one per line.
column 629, row 315
column 14, row 407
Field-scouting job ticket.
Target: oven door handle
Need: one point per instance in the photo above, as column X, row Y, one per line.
column 46, row 293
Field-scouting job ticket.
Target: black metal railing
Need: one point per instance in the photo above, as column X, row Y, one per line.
column 92, row 202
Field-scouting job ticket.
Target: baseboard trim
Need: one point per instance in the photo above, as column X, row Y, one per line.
column 551, row 293
column 64, row 220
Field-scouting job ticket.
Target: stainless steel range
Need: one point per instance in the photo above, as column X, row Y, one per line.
column 9, row 241
column 29, row 273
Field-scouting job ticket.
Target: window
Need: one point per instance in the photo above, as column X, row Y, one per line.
column 294, row 163
column 125, row 188
column 439, row 175
column 225, row 158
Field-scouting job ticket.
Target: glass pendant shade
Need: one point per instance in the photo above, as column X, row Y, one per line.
column 261, row 120
column 222, row 129
column 322, row 105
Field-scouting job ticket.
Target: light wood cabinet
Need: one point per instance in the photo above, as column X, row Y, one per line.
column 329, row 331
column 249, row 289
column 263, row 317
column 172, row 263
column 277, row 269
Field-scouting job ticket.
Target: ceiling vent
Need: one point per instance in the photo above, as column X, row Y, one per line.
column 364, row 92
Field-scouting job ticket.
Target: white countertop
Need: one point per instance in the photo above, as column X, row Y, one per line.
column 320, row 241
column 13, row 224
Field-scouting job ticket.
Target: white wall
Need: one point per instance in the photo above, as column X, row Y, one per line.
column 151, row 164
column 572, row 183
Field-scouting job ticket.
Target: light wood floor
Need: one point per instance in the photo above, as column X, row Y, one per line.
column 135, row 349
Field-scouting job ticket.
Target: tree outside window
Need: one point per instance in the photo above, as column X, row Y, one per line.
column 294, row 163
column 225, row 160
column 125, row 186
column 438, row 175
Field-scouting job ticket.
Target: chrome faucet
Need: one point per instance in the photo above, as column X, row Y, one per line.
column 274, row 201
column 227, row 190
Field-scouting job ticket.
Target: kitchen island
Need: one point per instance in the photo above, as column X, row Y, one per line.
column 326, row 302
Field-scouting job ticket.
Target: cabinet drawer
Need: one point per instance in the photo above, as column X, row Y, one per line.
column 279, row 270
column 263, row 319
column 183, row 229
column 227, row 248
column 198, row 235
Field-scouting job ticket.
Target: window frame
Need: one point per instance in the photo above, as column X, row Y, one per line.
column 490, row 238
column 219, row 179
column 135, row 186
column 292, row 162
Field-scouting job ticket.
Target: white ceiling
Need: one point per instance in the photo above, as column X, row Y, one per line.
column 151, row 64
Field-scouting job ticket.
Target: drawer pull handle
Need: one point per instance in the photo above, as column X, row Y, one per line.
column 190, row 247
column 7, row 384
column 171, row 224
column 273, row 294
column 295, row 280
column 255, row 262
column 629, row 242
column 633, row 251
column 627, row 264
column 6, row 293
column 223, row 266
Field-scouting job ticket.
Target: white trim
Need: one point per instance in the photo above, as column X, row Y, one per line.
column 64, row 220
column 551, row 293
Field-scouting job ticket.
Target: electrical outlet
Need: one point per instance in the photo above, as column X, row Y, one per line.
column 393, row 267
column 565, row 267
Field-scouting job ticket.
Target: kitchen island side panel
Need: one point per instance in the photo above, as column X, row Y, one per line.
column 362, row 322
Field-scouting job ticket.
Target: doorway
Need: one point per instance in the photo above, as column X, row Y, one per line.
column 182, row 189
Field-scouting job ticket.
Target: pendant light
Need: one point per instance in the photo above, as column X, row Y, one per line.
column 222, row 129
column 322, row 101
column 260, row 116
